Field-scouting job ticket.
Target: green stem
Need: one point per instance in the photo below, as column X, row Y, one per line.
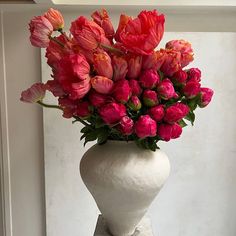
column 64, row 34
column 57, row 107
column 112, row 49
column 48, row 105
column 82, row 121
column 56, row 41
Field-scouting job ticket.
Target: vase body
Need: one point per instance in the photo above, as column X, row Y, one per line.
column 124, row 180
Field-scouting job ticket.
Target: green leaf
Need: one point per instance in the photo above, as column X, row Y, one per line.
column 86, row 129
column 192, row 103
column 102, row 135
column 90, row 137
column 190, row 117
column 182, row 123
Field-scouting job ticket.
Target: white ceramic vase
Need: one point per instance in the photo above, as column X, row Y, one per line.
column 124, row 180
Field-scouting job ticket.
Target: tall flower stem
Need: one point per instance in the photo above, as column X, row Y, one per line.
column 111, row 49
column 57, row 107
column 57, row 41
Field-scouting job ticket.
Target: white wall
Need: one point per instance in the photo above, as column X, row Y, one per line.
column 21, row 125
column 199, row 197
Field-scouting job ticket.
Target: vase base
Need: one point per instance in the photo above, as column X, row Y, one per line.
column 143, row 229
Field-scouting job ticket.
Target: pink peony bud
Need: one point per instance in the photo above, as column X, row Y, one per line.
column 102, row 84
column 34, row 94
column 191, row 89
column 84, row 110
column 150, row 98
column 171, row 63
column 180, row 77
column 55, row 88
column 169, row 131
column 120, row 68
column 55, row 18
column 134, row 103
column 68, row 107
column 40, row 31
column 164, row 131
column 112, row 113
column 166, row 89
column 102, row 64
column 194, row 75
column 134, row 67
column 145, row 127
column 122, row 91
column 184, row 48
column 153, row 61
column 157, row 113
column 176, row 112
column 149, row 79
column 135, row 87
column 102, row 19
column 176, row 131
column 126, row 125
column 97, row 99
column 206, row 96
column 88, row 34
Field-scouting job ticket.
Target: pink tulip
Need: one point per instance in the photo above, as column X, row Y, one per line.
column 55, row 18
column 157, row 112
column 68, row 107
column 153, row 61
column 145, row 126
column 34, row 94
column 79, row 89
column 122, row 91
column 134, row 67
column 102, row 19
column 112, row 113
column 184, row 48
column 191, row 89
column 150, row 98
column 55, row 88
column 194, row 75
column 171, row 63
column 122, row 23
column 126, row 125
column 142, row 34
column 120, row 68
column 176, row 112
column 84, row 110
column 134, row 103
column 55, row 52
column 102, row 64
column 206, row 96
column 102, row 84
column 72, row 68
column 40, row 31
column 166, row 89
column 88, row 34
column 149, row 79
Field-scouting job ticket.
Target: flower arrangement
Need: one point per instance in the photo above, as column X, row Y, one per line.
column 115, row 82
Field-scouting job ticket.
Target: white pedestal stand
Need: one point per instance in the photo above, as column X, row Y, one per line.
column 143, row 229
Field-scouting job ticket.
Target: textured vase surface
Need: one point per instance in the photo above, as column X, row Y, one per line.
column 124, row 180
